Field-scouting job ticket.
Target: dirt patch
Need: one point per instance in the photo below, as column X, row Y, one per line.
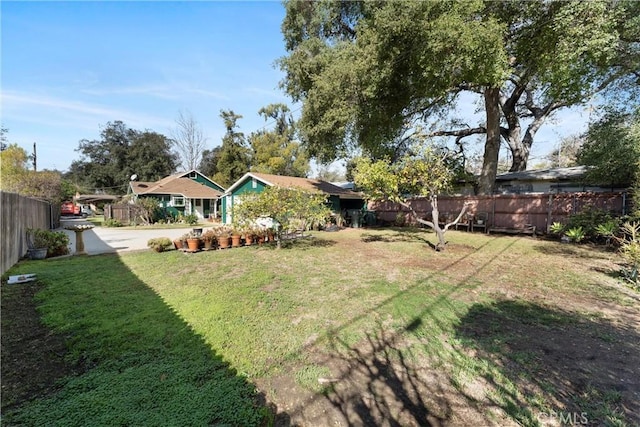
column 32, row 356
column 590, row 366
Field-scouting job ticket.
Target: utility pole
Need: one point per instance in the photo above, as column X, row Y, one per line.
column 34, row 158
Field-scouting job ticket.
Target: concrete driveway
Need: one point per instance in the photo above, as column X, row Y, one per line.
column 101, row 240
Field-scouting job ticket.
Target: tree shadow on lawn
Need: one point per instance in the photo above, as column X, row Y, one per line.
column 382, row 379
column 584, row 369
column 305, row 243
column 400, row 234
column 131, row 359
column 586, row 251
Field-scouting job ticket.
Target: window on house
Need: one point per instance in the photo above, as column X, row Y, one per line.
column 178, row 201
column 193, row 175
column 254, row 183
column 198, row 202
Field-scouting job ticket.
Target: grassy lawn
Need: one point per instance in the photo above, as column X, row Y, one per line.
column 355, row 327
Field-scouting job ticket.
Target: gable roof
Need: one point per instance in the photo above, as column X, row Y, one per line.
column 307, row 184
column 553, row 174
column 176, row 184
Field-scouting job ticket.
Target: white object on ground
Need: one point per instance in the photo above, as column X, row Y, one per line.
column 23, row 278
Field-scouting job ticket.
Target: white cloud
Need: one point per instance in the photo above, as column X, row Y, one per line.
column 52, row 111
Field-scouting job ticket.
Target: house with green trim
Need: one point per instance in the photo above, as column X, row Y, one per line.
column 340, row 199
column 183, row 193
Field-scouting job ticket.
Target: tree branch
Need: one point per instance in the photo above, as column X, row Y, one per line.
column 460, row 133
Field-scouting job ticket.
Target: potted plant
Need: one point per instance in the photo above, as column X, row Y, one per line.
column 260, row 234
column 183, row 241
column 249, row 234
column 223, row 234
column 177, row 243
column 193, row 242
column 159, row 244
column 208, row 239
column 236, row 236
column 37, row 243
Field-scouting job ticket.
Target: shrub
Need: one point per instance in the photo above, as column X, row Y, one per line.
column 575, row 234
column 160, row 244
column 191, row 219
column 111, row 222
column 630, row 250
column 57, row 242
column 589, row 219
column 37, row 238
column 556, row 228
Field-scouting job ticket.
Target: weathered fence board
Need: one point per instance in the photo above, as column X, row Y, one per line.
column 126, row 214
column 17, row 214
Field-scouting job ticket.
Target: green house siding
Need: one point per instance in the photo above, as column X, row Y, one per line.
column 201, row 179
column 248, row 186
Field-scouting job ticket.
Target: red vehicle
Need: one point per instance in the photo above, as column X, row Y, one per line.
column 69, row 208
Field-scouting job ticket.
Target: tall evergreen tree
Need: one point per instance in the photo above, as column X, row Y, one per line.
column 234, row 160
column 275, row 151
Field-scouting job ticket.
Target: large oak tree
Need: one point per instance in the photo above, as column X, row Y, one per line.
column 366, row 70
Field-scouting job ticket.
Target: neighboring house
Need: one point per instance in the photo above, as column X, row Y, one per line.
column 556, row 180
column 340, row 199
column 183, row 193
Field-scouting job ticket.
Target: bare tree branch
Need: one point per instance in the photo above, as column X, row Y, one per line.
column 189, row 140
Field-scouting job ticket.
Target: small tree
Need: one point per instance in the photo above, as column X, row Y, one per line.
column 285, row 206
column 426, row 175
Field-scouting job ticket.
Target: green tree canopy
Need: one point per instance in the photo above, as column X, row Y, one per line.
column 612, row 149
column 234, row 159
column 286, row 206
column 17, row 178
column 13, row 163
column 209, row 162
column 109, row 162
column 275, row 151
column 426, row 174
column 366, row 70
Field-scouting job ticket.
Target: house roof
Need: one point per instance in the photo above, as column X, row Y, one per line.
column 308, row 184
column 554, row 174
column 175, row 184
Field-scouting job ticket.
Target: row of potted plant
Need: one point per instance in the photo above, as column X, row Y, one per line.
column 223, row 237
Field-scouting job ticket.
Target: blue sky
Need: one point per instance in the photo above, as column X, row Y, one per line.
column 68, row 68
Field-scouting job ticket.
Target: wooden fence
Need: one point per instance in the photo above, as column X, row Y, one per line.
column 17, row 214
column 127, row 214
column 510, row 211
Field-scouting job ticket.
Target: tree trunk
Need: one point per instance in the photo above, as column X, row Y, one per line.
column 434, row 223
column 520, row 155
column 487, row 180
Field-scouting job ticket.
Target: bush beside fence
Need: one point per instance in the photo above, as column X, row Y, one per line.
column 17, row 214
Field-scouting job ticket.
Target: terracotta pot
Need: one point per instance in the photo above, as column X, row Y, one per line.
column 248, row 240
column 223, row 242
column 260, row 240
column 194, row 244
column 235, row 240
column 178, row 244
column 208, row 245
